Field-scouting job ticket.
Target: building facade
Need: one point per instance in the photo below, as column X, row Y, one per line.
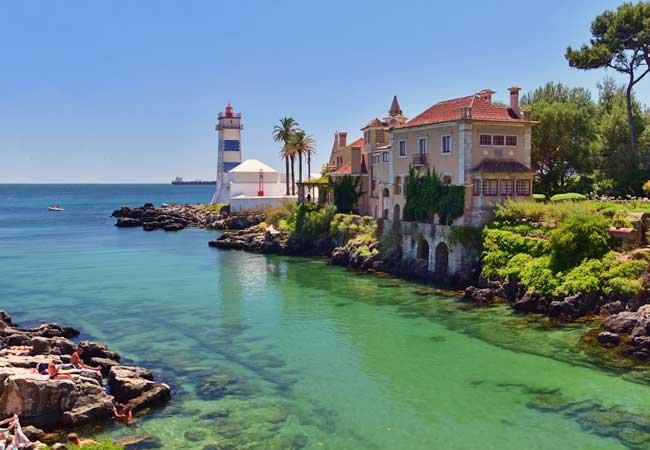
column 468, row 141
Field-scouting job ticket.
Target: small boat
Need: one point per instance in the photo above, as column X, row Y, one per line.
column 55, row 208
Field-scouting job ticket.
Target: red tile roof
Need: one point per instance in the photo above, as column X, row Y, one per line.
column 358, row 143
column 345, row 169
column 451, row 109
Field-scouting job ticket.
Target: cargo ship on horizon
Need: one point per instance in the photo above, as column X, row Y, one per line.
column 179, row 180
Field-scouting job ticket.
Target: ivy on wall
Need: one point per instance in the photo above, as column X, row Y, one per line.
column 427, row 195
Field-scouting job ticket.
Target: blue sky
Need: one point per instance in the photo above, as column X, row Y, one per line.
column 108, row 91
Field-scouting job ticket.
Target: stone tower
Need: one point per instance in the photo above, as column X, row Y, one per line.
column 229, row 128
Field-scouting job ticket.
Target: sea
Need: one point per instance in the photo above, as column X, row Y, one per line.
column 273, row 352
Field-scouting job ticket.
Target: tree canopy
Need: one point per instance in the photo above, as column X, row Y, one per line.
column 565, row 140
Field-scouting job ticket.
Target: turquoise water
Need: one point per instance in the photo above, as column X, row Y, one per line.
column 267, row 352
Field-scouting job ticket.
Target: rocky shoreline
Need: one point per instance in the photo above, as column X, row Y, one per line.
column 625, row 319
column 178, row 217
column 46, row 406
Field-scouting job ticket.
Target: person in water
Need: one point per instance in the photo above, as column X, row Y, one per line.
column 73, row 439
column 55, row 374
column 77, row 363
column 123, row 412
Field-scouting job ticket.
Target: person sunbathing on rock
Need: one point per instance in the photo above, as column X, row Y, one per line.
column 73, row 439
column 55, row 374
column 77, row 363
column 123, row 412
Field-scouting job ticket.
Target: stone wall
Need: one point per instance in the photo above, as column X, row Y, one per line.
column 438, row 253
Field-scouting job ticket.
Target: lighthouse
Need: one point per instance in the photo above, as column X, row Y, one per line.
column 229, row 128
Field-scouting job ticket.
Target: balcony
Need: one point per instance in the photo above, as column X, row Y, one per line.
column 419, row 160
column 239, row 126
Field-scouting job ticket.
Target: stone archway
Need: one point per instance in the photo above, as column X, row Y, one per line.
column 397, row 214
column 423, row 251
column 442, row 260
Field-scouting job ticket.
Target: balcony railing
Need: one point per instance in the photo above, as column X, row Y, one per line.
column 224, row 126
column 419, row 160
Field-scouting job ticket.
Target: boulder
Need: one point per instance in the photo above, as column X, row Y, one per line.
column 606, row 337
column 621, row 323
column 482, row 296
column 135, row 386
column 5, row 317
column 32, row 433
column 104, row 363
column 127, row 222
column 97, row 350
column 50, row 404
column 56, row 345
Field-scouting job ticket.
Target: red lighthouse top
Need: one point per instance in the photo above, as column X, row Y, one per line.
column 229, row 110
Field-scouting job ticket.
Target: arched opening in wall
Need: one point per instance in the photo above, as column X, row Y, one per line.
column 385, row 194
column 396, row 215
column 423, row 250
column 442, row 260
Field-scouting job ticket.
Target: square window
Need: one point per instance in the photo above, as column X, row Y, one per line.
column 511, row 141
column 446, row 144
column 497, row 140
column 490, row 188
column 523, row 187
column 476, row 186
column 422, row 146
column 485, row 139
column 507, row 187
column 385, row 156
column 402, row 148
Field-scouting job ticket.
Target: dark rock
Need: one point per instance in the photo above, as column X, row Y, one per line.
column 135, row 386
column 33, row 433
column 238, row 222
column 173, row 226
column 5, row 317
column 621, row 323
column 482, row 296
column 610, row 308
column 127, row 222
column 97, row 350
column 528, row 303
column 151, row 226
column 606, row 337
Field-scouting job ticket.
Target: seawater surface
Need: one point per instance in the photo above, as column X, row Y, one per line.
column 268, row 352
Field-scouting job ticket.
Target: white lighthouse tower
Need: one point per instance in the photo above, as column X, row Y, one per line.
column 229, row 152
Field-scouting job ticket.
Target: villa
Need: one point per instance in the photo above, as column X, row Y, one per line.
column 468, row 141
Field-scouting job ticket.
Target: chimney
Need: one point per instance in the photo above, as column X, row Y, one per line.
column 465, row 112
column 514, row 99
column 486, row 94
column 355, row 160
column 527, row 116
column 343, row 138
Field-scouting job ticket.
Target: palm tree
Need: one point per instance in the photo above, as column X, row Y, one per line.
column 282, row 133
column 303, row 144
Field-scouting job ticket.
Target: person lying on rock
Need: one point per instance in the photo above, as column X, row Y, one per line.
column 73, row 439
column 55, row 374
column 77, row 363
column 123, row 412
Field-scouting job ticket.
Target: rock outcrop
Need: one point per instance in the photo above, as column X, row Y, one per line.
column 135, row 387
column 254, row 239
column 633, row 328
column 238, row 221
column 62, row 403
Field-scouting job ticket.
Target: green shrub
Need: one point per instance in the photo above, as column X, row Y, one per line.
column 347, row 191
column 426, row 196
column 500, row 246
column 569, row 196
column 624, row 277
column 538, row 276
column 465, row 235
column 514, row 267
column 100, row 446
column 578, row 237
column 313, row 222
column 275, row 214
column 587, row 277
column 539, row 197
column 347, row 226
